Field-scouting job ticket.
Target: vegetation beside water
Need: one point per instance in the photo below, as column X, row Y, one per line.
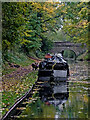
column 10, row 96
column 20, row 59
column 84, row 56
column 17, row 86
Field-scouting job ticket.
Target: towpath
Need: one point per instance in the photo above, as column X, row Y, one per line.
column 9, row 80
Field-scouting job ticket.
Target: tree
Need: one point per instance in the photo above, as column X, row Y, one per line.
column 24, row 26
column 76, row 22
column 28, row 25
column 12, row 19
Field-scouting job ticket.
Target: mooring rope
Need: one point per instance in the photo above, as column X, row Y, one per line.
column 53, row 66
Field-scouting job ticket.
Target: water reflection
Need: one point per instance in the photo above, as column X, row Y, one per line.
column 55, row 92
column 61, row 97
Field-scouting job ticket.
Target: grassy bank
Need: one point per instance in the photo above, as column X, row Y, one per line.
column 10, row 96
column 15, row 58
column 16, row 85
column 84, row 56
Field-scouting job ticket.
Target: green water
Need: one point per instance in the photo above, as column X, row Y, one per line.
column 71, row 102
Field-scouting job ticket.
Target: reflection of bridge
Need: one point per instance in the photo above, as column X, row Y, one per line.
column 75, row 47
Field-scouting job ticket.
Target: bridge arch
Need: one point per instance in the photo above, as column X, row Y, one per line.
column 69, row 53
column 63, row 45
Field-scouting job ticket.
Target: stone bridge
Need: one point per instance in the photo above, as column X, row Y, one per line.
column 75, row 47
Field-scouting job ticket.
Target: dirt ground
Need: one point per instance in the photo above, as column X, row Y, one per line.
column 9, row 80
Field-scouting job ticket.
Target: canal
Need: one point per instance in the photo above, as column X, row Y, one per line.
column 61, row 97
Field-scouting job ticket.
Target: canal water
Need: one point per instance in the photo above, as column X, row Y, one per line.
column 61, row 97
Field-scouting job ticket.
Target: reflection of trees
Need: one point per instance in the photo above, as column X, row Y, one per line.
column 39, row 110
column 76, row 106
